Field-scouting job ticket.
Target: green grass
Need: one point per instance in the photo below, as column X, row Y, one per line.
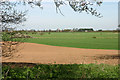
column 103, row 40
column 48, row 71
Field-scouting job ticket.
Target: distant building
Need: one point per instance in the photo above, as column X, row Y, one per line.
column 58, row 30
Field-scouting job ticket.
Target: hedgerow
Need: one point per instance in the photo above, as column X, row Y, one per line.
column 62, row 71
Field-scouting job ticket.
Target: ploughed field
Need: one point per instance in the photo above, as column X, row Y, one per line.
column 89, row 40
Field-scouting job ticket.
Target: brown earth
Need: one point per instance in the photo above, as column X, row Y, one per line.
column 44, row 54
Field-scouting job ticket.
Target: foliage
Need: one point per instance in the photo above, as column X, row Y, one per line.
column 10, row 15
column 80, row 6
column 62, row 71
column 9, row 44
column 76, row 5
column 9, row 36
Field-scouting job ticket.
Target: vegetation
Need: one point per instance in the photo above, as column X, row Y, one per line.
column 10, row 16
column 10, row 43
column 91, row 40
column 60, row 71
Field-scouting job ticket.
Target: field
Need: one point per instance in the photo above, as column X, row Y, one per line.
column 90, row 40
column 65, row 55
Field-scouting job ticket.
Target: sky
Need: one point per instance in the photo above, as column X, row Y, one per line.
column 119, row 13
column 47, row 18
column 51, row 0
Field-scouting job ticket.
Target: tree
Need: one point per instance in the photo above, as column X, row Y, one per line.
column 79, row 6
column 11, row 16
column 119, row 25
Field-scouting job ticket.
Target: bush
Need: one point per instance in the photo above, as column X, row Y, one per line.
column 61, row 71
column 6, row 36
column 9, row 43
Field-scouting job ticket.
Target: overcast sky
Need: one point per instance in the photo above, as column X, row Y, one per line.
column 48, row 18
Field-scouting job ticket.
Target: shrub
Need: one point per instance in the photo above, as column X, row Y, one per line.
column 10, row 43
column 63, row 71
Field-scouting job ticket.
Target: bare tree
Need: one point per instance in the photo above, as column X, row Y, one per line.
column 10, row 15
column 84, row 5
column 79, row 6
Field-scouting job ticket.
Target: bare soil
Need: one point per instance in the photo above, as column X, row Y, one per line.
column 45, row 54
